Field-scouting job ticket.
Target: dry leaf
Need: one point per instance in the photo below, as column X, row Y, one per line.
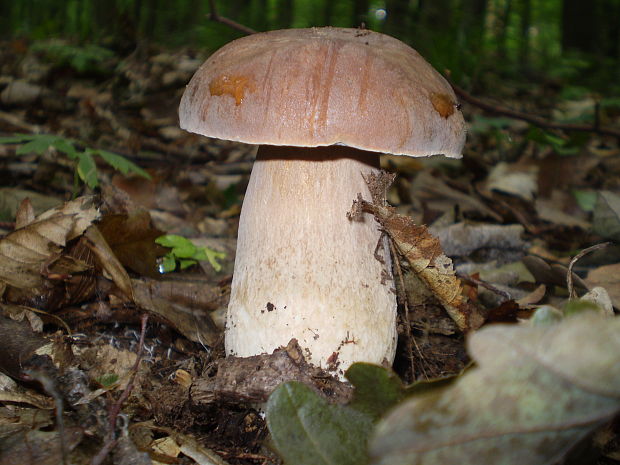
column 40, row 447
column 516, row 179
column 186, row 304
column 25, row 252
column 607, row 276
column 535, row 393
column 424, row 254
column 108, row 260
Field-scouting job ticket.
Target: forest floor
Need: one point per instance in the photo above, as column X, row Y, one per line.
column 512, row 215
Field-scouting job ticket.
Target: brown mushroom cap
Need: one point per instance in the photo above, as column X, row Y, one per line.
column 324, row 86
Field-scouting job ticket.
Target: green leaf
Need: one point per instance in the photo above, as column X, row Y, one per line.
column 377, row 389
column 121, row 163
column 586, row 199
column 65, row 146
column 307, row 430
column 17, row 138
column 535, row 392
column 38, row 144
column 181, row 246
column 206, row 253
column 87, row 170
column 546, row 315
column 167, row 264
column 559, row 145
column 107, row 380
column 185, row 263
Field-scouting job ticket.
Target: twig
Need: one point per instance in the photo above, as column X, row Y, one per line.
column 569, row 275
column 214, row 16
column 478, row 282
column 532, row 119
column 116, row 407
column 401, row 280
column 49, row 385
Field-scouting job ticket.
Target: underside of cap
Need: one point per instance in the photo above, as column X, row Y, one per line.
column 324, row 86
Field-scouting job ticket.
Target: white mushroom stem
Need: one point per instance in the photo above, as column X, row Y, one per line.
column 303, row 269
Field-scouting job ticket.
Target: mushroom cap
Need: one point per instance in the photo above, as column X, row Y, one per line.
column 324, row 86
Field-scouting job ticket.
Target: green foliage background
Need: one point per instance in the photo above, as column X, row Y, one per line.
column 564, row 39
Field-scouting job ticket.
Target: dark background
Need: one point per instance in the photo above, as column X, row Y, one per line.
column 572, row 41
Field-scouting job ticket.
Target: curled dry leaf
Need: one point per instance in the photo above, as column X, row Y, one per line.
column 115, row 270
column 424, row 254
column 535, row 393
column 26, row 251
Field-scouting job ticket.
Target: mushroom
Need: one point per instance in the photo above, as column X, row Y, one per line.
column 323, row 104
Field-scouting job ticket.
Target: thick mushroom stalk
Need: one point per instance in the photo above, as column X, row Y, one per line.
column 303, row 269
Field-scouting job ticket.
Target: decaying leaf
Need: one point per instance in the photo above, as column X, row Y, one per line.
column 108, row 260
column 462, row 239
column 25, row 252
column 606, row 215
column 424, row 254
column 187, row 304
column 520, row 180
column 535, row 393
column 607, row 276
column 132, row 239
column 40, row 447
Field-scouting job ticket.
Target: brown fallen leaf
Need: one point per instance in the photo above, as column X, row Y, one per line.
column 108, row 261
column 40, row 447
column 607, row 276
column 132, row 239
column 186, row 304
column 27, row 252
column 424, row 254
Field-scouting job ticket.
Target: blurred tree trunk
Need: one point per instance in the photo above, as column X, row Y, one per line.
column 591, row 27
column 501, row 29
column 284, row 17
column 471, row 27
column 579, row 26
column 434, row 19
column 328, row 12
column 524, row 39
column 259, row 21
column 397, row 19
column 360, row 12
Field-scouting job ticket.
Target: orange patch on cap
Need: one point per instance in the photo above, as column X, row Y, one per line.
column 443, row 104
column 235, row 86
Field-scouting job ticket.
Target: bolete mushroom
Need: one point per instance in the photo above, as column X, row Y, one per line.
column 323, row 104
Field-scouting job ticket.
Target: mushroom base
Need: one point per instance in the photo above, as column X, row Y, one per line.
column 304, row 270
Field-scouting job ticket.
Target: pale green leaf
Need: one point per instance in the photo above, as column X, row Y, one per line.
column 87, row 170
column 606, row 215
column 535, row 393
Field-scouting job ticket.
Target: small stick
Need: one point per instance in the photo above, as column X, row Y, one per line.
column 569, row 275
column 214, row 16
column 116, row 407
column 532, row 119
